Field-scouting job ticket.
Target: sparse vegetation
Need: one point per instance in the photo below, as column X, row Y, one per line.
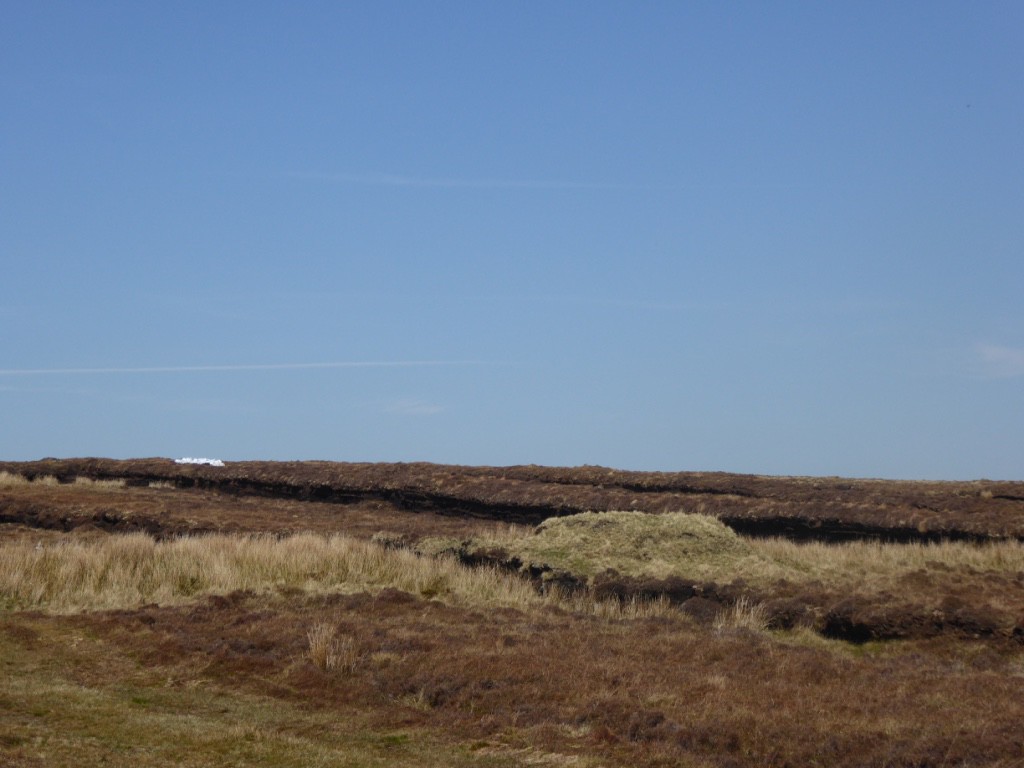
column 743, row 614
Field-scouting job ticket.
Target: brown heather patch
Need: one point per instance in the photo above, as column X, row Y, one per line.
column 165, row 510
column 649, row 692
column 70, row 698
column 816, row 508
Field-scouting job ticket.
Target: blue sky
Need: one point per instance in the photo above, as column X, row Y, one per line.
column 779, row 238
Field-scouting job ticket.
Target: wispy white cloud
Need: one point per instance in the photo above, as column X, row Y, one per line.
column 253, row 367
column 412, row 407
column 998, row 361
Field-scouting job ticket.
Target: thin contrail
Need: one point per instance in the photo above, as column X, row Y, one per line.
column 252, row 367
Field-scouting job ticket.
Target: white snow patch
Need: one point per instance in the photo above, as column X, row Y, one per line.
column 190, row 460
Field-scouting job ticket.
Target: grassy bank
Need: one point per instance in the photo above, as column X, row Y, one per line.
column 702, row 548
column 129, row 570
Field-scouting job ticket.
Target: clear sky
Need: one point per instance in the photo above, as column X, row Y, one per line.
column 779, row 238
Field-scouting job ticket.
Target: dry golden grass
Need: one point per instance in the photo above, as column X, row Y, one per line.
column 743, row 614
column 133, row 569
column 10, row 480
column 329, row 652
column 702, row 548
column 630, row 543
column 615, row 610
column 129, row 570
column 867, row 562
column 99, row 485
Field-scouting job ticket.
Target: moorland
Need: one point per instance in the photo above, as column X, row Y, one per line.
column 319, row 613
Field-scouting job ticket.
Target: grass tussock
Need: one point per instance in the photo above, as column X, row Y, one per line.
column 329, row 652
column 743, row 614
column 634, row 544
column 11, row 480
column 134, row 569
column 99, row 485
column 631, row 609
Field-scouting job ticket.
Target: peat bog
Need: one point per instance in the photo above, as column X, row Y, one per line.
column 729, row 621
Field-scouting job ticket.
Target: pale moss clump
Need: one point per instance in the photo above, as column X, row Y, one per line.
column 640, row 544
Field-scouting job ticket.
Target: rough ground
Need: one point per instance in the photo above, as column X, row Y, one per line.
column 413, row 501
column 815, row 508
column 928, row 674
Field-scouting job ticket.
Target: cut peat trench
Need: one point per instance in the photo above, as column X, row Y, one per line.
column 806, row 509
column 832, row 531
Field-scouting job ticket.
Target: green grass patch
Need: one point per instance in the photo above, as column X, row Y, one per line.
column 55, row 714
